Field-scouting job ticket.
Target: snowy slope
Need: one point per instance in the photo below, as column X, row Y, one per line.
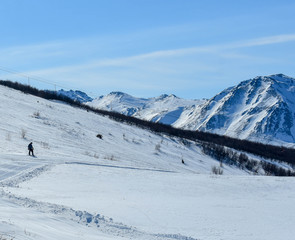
column 65, row 138
column 165, row 108
column 260, row 109
column 130, row 184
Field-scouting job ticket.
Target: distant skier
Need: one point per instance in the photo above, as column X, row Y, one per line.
column 31, row 149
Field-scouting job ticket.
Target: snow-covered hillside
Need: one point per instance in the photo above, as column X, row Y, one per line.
column 131, row 184
column 259, row 109
column 164, row 109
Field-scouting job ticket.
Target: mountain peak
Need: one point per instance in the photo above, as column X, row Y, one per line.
column 282, row 78
column 75, row 95
column 118, row 93
column 279, row 75
column 164, row 96
column 276, row 77
column 261, row 107
column 258, row 108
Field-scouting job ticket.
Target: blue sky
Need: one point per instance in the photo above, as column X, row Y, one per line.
column 193, row 49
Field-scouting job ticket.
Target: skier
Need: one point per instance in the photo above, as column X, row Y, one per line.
column 31, row 149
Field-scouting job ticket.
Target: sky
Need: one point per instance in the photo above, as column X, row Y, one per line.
column 191, row 48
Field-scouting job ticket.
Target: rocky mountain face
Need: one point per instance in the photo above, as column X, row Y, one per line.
column 260, row 109
column 76, row 95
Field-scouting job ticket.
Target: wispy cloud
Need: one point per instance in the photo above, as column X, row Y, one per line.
column 212, row 49
column 203, row 49
column 34, row 50
column 264, row 41
column 163, row 64
column 60, row 48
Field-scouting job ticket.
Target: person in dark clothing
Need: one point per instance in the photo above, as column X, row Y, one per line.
column 31, row 149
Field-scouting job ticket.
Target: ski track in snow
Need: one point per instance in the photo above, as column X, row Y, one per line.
column 132, row 175
column 102, row 223
column 120, row 167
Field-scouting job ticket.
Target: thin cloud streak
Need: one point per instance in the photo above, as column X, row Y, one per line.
column 126, row 61
column 266, row 41
column 57, row 48
column 145, row 64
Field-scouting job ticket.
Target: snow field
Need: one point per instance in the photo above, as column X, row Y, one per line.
column 129, row 185
column 199, row 206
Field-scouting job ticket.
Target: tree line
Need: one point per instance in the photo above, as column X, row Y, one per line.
column 239, row 159
column 279, row 153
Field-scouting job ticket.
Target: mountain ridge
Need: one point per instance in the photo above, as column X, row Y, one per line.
column 76, row 95
column 257, row 109
column 213, row 144
column 164, row 109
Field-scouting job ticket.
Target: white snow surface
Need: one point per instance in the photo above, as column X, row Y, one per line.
column 130, row 184
column 260, row 109
column 165, row 109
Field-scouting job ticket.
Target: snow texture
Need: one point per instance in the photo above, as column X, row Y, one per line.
column 131, row 184
column 260, row 109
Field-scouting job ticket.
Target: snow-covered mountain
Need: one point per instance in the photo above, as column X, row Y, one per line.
column 75, row 95
column 83, row 187
column 165, row 109
column 261, row 109
column 128, row 184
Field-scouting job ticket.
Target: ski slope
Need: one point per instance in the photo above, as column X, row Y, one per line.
column 131, row 184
